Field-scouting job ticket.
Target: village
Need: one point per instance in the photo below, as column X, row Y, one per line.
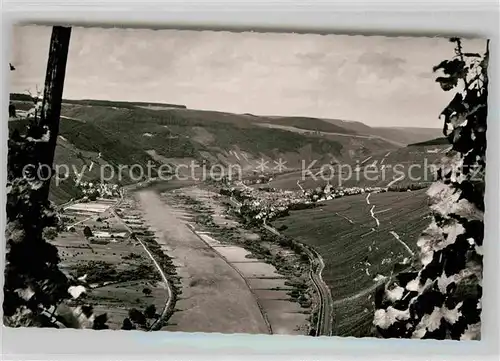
column 268, row 203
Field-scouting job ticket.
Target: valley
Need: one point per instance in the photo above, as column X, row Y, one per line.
column 107, row 137
column 295, row 242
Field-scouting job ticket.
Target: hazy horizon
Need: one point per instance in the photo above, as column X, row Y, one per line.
column 379, row 81
column 260, row 115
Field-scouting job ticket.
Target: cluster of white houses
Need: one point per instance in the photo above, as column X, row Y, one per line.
column 269, row 203
column 99, row 189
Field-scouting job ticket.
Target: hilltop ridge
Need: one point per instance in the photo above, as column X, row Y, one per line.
column 97, row 133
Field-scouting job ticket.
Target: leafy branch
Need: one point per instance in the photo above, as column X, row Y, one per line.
column 441, row 297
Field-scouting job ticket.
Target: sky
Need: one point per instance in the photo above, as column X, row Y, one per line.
column 380, row 81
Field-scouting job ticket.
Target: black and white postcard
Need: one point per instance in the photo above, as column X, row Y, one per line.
column 245, row 182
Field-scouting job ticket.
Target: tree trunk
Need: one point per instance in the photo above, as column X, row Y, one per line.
column 52, row 97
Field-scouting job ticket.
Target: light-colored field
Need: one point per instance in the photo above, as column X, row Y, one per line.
column 94, row 207
column 268, row 284
column 268, row 294
column 283, row 314
column 257, row 270
column 234, row 254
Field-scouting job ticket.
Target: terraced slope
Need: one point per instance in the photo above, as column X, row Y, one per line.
column 398, row 167
column 359, row 238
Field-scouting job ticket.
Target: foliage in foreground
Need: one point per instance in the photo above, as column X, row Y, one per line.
column 442, row 300
column 32, row 279
column 34, row 285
